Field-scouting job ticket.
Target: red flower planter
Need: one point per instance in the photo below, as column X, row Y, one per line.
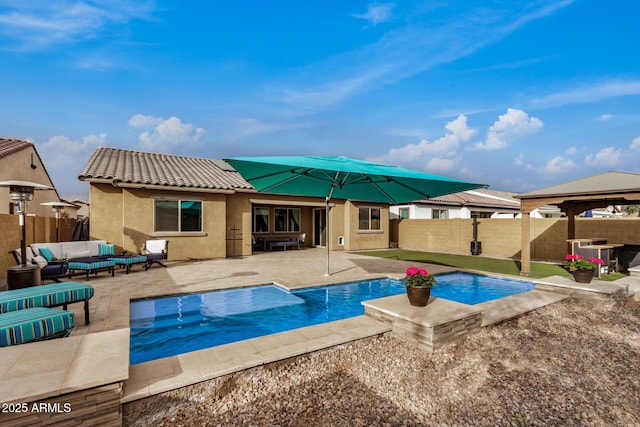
column 583, row 276
column 418, row 296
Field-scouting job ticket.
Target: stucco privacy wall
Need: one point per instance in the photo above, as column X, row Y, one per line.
column 502, row 237
column 38, row 229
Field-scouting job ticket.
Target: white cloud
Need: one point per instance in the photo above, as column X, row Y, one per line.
column 635, row 144
column 447, row 145
column 35, row 25
column 440, row 165
column 63, row 146
column 403, row 52
column 65, row 157
column 606, row 157
column 376, row 13
column 606, row 117
column 511, row 126
column 571, row 151
column 559, row 165
column 586, row 94
column 166, row 134
column 519, row 160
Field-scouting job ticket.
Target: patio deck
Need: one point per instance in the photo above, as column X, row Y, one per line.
column 28, row 375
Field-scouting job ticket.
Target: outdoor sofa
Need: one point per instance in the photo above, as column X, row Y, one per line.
column 58, row 260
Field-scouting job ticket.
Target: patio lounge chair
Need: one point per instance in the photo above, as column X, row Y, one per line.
column 34, row 324
column 53, row 295
column 156, row 251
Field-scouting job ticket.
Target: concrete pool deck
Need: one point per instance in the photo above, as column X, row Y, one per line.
column 98, row 354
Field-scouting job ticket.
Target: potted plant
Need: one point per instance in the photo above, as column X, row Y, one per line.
column 418, row 283
column 581, row 268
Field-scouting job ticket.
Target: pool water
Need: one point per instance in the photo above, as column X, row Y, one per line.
column 163, row 327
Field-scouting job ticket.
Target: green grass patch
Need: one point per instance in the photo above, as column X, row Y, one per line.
column 490, row 265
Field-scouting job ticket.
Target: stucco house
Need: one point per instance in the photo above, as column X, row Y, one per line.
column 19, row 161
column 480, row 203
column 207, row 210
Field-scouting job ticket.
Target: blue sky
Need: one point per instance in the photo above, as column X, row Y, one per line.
column 515, row 94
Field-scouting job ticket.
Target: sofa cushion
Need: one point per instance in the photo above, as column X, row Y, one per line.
column 73, row 247
column 40, row 260
column 93, row 246
column 55, row 248
column 30, row 254
column 47, row 254
column 78, row 254
column 105, row 249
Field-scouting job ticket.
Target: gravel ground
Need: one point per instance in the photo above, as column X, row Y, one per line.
column 569, row 364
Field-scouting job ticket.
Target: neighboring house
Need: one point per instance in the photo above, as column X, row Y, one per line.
column 80, row 209
column 479, row 203
column 202, row 205
column 19, row 161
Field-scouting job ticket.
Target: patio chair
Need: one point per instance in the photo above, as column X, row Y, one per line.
column 156, row 251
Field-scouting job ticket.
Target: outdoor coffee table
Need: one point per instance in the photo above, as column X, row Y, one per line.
column 127, row 261
column 90, row 265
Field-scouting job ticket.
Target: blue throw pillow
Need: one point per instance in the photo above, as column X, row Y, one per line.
column 109, row 249
column 47, row 254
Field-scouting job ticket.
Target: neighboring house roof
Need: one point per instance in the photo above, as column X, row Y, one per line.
column 12, row 145
column 127, row 168
column 476, row 198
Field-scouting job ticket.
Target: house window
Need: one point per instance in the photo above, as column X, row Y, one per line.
column 439, row 214
column 178, row 215
column 404, row 213
column 369, row 219
column 260, row 220
column 287, row 220
column 476, row 214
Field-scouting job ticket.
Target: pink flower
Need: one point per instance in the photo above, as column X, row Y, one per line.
column 412, row 271
column 422, row 271
column 596, row 260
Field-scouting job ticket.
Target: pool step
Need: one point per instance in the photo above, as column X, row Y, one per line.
column 514, row 306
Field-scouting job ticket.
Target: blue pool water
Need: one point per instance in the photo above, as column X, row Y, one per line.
column 168, row 326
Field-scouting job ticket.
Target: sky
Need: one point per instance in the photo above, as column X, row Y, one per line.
column 518, row 95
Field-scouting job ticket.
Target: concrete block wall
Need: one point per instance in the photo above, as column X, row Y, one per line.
column 502, row 237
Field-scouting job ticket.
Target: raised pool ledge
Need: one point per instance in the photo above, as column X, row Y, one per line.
column 429, row 328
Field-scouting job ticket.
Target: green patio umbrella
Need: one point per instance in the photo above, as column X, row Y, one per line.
column 343, row 178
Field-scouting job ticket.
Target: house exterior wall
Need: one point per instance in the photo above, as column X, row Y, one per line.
column 125, row 217
column 17, row 167
column 356, row 239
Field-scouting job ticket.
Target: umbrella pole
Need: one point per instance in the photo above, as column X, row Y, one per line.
column 326, row 234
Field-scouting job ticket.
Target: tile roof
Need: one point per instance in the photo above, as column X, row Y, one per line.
column 604, row 183
column 140, row 169
column 476, row 198
column 12, row 145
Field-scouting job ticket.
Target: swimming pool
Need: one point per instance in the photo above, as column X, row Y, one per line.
column 163, row 327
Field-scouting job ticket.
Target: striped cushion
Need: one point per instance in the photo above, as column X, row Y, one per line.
column 19, row 327
column 47, row 254
column 104, row 249
column 44, row 296
column 80, row 265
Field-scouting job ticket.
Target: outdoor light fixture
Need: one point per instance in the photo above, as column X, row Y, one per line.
column 57, row 207
column 23, row 275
